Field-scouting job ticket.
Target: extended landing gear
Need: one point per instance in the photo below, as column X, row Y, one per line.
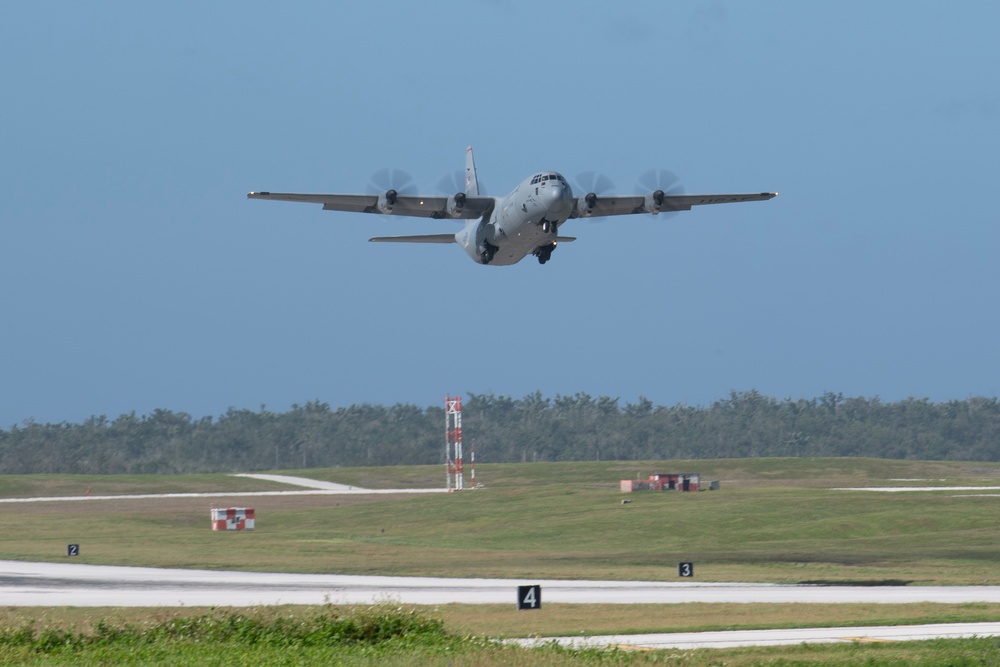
column 544, row 253
column 487, row 255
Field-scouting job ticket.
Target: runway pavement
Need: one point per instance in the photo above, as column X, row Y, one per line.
column 71, row 584
column 58, row 584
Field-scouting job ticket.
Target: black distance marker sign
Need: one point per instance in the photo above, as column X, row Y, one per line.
column 72, row 549
column 529, row 597
column 685, row 569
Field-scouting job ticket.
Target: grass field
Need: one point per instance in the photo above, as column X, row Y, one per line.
column 774, row 520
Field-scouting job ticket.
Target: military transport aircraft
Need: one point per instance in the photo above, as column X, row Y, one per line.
column 503, row 230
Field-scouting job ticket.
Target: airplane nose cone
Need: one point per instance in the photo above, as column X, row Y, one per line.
column 556, row 195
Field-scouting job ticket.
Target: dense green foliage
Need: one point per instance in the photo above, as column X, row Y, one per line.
column 504, row 429
column 365, row 625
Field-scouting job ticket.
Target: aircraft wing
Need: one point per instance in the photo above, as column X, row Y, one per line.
column 417, row 206
column 628, row 204
column 418, row 238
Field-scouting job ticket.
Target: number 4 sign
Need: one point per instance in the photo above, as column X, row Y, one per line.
column 529, row 597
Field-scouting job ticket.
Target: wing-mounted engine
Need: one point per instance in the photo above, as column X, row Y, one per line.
column 388, row 184
column 588, row 202
column 594, row 184
column 386, row 201
column 654, row 201
column 456, row 205
column 656, row 185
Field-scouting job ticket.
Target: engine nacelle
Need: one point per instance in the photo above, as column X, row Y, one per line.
column 654, row 201
column 386, row 201
column 456, row 203
column 589, row 201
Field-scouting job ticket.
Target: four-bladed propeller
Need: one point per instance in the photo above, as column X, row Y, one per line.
column 591, row 185
column 387, row 184
column 656, row 184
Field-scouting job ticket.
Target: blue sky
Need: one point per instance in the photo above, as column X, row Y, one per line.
column 136, row 275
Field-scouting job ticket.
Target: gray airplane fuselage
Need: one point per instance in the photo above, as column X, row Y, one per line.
column 524, row 222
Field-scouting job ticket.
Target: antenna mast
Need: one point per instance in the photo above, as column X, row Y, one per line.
column 455, row 478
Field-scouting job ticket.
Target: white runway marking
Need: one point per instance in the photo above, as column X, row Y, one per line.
column 303, row 481
column 898, row 489
column 228, row 494
column 314, row 487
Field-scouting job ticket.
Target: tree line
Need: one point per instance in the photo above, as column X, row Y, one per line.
column 505, row 429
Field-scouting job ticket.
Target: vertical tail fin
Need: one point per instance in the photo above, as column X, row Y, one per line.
column 471, row 180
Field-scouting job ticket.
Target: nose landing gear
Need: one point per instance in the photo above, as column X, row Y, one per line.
column 547, row 226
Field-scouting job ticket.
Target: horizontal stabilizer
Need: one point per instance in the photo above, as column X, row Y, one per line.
column 565, row 239
column 419, row 238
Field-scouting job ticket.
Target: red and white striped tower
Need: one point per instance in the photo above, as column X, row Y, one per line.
column 453, row 440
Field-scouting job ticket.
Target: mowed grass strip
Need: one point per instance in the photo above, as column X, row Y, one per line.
column 773, row 520
column 390, row 634
column 553, row 620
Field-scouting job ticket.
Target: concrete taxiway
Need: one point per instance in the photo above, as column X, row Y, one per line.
column 734, row 638
column 308, row 487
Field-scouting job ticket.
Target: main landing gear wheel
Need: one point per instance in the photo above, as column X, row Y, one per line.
column 488, row 254
column 544, row 253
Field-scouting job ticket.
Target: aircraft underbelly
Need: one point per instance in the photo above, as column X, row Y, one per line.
column 520, row 242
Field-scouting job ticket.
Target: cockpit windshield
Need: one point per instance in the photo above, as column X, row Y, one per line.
column 541, row 178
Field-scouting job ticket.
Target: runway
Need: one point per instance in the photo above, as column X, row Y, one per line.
column 71, row 584
column 24, row 584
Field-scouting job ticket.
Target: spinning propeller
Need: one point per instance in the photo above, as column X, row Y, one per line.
column 387, row 184
column 592, row 184
column 655, row 184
